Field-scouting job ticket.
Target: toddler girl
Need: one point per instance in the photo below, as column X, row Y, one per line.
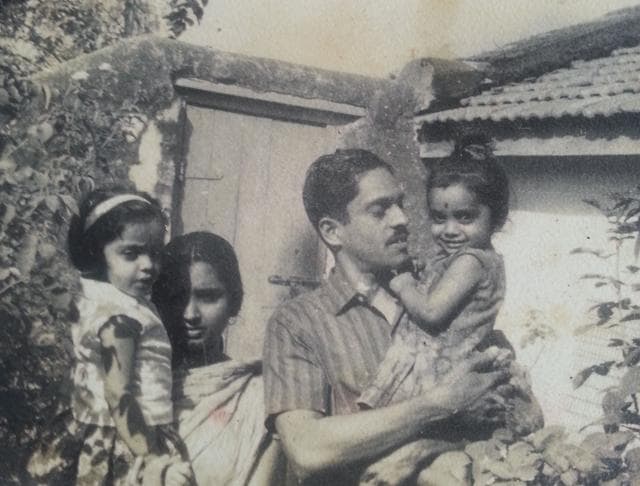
column 454, row 306
column 121, row 402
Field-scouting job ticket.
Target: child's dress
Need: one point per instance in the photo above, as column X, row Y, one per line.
column 86, row 443
column 416, row 358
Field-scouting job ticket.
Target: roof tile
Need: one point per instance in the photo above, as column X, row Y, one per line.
column 602, row 86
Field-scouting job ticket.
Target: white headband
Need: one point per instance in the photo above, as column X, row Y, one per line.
column 107, row 205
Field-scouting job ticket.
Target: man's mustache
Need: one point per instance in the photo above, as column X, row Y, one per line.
column 400, row 235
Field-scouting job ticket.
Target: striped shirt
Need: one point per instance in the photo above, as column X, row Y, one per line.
column 322, row 349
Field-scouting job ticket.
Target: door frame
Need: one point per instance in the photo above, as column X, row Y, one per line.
column 237, row 99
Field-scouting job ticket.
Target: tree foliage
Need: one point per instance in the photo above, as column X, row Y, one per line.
column 38, row 34
column 49, row 157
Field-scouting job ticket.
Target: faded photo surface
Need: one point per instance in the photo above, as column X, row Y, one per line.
column 453, row 300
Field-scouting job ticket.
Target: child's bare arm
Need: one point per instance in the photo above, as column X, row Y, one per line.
column 434, row 310
column 117, row 338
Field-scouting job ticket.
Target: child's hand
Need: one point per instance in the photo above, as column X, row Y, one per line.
column 179, row 474
column 401, row 282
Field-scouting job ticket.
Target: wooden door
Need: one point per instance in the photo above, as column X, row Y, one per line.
column 243, row 181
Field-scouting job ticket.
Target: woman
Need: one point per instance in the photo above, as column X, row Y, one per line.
column 217, row 401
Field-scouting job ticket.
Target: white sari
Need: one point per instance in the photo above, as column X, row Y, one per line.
column 220, row 416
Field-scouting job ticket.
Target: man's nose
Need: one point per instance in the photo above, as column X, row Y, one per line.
column 398, row 217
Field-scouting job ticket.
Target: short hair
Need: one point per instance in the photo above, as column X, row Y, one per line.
column 473, row 165
column 86, row 245
column 332, row 180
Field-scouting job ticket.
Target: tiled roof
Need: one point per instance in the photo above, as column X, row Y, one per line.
column 602, row 86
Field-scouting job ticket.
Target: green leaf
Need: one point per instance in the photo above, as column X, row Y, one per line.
column 71, row 203
column 53, row 203
column 26, row 257
column 593, row 202
column 47, row 251
column 544, row 437
column 599, row 369
column 613, row 401
column 630, row 382
column 9, row 214
column 632, row 459
column 632, row 316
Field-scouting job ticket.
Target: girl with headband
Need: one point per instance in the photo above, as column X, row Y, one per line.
column 120, row 430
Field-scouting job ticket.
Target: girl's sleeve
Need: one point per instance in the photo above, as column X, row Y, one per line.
column 481, row 255
column 118, row 336
column 125, row 326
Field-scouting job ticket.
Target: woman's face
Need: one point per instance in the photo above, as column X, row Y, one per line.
column 206, row 314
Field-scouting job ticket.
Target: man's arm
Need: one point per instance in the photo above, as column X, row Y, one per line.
column 315, row 443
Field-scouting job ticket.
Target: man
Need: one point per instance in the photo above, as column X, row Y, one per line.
column 323, row 348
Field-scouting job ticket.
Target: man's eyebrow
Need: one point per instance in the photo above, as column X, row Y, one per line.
column 386, row 200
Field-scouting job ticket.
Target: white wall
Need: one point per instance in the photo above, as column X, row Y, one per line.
column 548, row 219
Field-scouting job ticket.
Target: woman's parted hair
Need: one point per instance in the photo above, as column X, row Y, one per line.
column 199, row 246
column 473, row 165
column 86, row 245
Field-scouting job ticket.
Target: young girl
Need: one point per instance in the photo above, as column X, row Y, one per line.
column 455, row 305
column 121, row 402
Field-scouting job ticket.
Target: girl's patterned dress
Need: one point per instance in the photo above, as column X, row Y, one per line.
column 83, row 447
column 416, row 359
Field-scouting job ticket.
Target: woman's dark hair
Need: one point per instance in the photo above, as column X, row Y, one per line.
column 171, row 289
column 473, row 165
column 87, row 238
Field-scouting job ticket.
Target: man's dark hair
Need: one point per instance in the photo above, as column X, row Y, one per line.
column 332, row 182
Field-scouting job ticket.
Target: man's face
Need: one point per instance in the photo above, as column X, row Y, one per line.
column 375, row 236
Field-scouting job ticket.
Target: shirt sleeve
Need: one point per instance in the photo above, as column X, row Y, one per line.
column 293, row 377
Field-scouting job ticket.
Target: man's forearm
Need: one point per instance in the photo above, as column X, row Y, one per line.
column 316, row 443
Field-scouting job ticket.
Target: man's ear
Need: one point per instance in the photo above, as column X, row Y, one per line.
column 329, row 229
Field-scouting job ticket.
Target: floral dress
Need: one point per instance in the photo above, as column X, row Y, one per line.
column 82, row 445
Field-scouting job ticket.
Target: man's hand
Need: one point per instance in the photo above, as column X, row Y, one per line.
column 463, row 385
column 401, row 282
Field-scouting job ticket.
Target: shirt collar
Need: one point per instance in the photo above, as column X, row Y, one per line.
column 340, row 290
column 346, row 290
